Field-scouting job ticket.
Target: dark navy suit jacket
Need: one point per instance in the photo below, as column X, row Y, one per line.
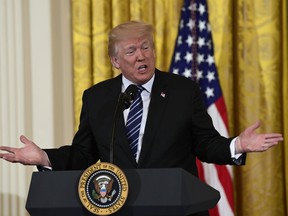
column 178, row 129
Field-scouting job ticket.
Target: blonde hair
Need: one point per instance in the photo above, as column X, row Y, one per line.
column 126, row 31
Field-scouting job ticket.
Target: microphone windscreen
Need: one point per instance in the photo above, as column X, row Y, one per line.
column 131, row 90
column 129, row 95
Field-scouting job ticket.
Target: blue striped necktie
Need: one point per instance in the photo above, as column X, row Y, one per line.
column 134, row 121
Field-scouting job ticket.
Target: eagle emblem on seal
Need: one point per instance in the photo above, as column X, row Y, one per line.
column 103, row 186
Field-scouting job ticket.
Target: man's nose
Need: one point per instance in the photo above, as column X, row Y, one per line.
column 140, row 55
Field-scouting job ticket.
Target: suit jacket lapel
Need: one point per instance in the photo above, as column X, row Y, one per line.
column 159, row 97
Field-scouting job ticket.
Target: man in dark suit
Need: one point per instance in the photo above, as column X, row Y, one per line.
column 175, row 127
column 178, row 128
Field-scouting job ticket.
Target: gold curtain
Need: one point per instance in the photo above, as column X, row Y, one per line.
column 250, row 43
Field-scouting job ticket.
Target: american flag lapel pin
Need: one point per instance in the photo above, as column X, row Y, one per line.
column 162, row 94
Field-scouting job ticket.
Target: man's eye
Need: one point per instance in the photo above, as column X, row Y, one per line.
column 129, row 52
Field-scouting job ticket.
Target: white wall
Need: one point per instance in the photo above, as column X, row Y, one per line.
column 35, row 87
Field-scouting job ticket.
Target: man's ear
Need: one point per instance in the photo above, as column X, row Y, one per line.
column 114, row 62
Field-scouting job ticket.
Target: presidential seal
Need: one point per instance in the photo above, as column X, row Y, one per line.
column 103, row 188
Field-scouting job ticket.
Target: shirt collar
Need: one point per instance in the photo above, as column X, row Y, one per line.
column 147, row 85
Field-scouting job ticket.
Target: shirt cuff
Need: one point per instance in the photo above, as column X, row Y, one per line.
column 45, row 168
column 233, row 149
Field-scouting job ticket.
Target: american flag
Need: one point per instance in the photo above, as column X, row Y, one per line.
column 194, row 58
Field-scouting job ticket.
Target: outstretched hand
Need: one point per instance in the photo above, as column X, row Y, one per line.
column 250, row 141
column 30, row 154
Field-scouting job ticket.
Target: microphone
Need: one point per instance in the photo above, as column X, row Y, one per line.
column 128, row 96
column 124, row 101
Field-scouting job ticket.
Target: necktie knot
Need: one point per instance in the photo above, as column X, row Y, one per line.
column 140, row 89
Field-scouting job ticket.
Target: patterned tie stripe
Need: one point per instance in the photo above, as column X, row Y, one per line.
column 134, row 121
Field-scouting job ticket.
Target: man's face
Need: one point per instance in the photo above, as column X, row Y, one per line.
column 135, row 59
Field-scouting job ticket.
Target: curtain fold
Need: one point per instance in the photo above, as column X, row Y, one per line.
column 285, row 95
column 82, row 52
column 250, row 43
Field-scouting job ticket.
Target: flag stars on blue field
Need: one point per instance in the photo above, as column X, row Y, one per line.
column 189, row 41
column 202, row 25
column 210, row 76
column 179, row 41
column 200, row 58
column 187, row 73
column 210, row 60
column 188, row 57
column 178, row 57
column 201, row 42
column 209, row 92
column 199, row 75
column 191, row 24
column 193, row 56
column 201, row 9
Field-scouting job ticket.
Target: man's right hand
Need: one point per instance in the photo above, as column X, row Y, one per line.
column 30, row 154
